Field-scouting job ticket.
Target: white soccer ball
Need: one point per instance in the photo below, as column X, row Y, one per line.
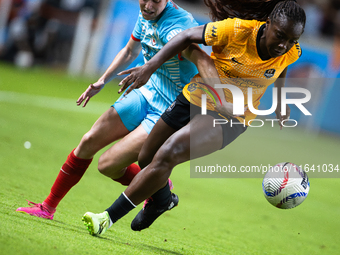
column 285, row 185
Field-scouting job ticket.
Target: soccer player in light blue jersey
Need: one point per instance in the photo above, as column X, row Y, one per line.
column 132, row 117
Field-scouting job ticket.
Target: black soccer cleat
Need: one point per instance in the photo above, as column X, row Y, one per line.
column 151, row 212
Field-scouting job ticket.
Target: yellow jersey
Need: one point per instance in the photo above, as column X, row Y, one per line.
column 235, row 52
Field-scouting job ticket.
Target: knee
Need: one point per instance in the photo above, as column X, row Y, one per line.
column 102, row 165
column 87, row 140
column 170, row 154
column 107, row 168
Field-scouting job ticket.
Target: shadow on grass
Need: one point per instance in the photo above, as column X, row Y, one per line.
column 82, row 231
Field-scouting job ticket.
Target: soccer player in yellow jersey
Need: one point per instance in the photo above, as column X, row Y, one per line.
column 247, row 53
column 239, row 61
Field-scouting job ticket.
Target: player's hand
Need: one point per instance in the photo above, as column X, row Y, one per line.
column 281, row 117
column 137, row 75
column 92, row 90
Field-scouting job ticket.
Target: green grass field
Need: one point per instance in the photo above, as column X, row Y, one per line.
column 214, row 216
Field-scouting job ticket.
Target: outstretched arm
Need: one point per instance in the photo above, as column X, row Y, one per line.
column 123, row 59
column 140, row 75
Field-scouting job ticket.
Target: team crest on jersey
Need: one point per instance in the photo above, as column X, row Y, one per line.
column 269, row 73
column 192, row 87
column 171, row 107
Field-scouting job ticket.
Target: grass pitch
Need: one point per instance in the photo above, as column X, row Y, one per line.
column 214, row 216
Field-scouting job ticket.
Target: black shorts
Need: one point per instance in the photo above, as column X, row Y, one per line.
column 181, row 111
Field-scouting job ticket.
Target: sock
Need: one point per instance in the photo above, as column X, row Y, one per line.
column 49, row 208
column 69, row 175
column 120, row 208
column 162, row 196
column 130, row 172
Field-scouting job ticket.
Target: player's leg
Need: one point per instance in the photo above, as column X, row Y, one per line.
column 158, row 135
column 154, row 177
column 113, row 162
column 78, row 161
column 196, row 139
column 117, row 161
column 108, row 128
column 173, row 119
column 205, row 138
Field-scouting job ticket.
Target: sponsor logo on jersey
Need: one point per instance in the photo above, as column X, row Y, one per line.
column 235, row 61
column 173, row 33
column 269, row 73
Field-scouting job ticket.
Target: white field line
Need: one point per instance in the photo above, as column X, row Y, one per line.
column 55, row 103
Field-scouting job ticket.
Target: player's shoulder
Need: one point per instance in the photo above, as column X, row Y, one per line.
column 295, row 52
column 140, row 17
column 247, row 26
column 173, row 14
column 173, row 9
column 238, row 26
column 298, row 49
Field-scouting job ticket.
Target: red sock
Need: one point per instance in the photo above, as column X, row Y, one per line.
column 69, row 175
column 131, row 171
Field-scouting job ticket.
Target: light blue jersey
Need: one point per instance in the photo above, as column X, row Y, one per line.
column 168, row 81
column 145, row 105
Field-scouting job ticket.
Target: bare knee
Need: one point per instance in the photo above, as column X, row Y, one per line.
column 87, row 147
column 87, row 139
column 109, row 168
column 171, row 154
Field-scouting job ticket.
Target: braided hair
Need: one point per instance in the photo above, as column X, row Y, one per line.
column 256, row 9
column 289, row 9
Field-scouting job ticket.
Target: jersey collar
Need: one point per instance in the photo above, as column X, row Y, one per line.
column 258, row 37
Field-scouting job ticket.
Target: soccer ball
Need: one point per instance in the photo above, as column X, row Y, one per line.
column 285, row 185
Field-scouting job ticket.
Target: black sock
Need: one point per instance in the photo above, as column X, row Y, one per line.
column 120, row 208
column 162, row 196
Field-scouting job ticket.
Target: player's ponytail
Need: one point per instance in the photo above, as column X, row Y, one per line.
column 255, row 9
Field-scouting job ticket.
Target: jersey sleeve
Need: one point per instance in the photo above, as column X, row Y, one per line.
column 293, row 54
column 137, row 31
column 218, row 33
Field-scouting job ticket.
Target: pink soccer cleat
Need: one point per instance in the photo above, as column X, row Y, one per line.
column 150, row 198
column 38, row 210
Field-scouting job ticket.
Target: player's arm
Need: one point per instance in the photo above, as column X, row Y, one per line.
column 279, row 84
column 122, row 60
column 140, row 75
column 207, row 70
column 205, row 65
